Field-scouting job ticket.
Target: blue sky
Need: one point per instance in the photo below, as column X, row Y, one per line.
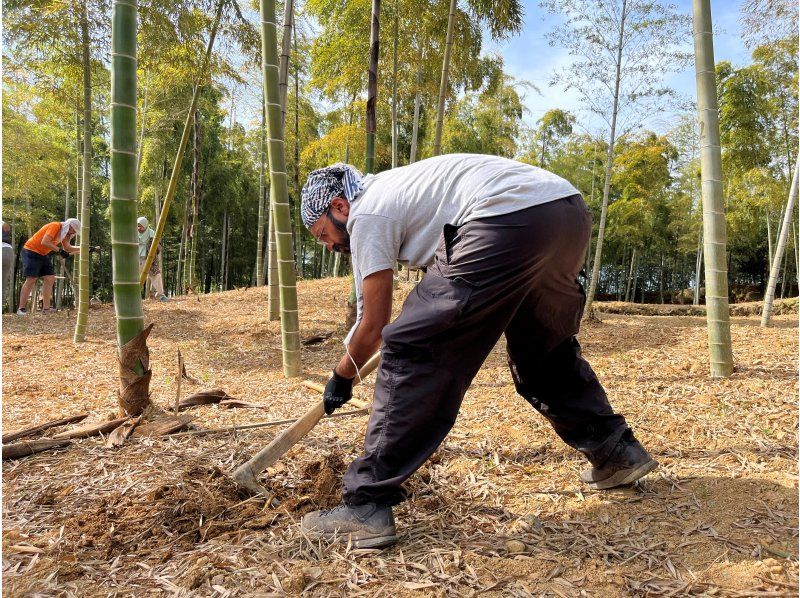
column 528, row 56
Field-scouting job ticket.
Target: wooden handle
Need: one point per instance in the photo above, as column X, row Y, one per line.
column 369, row 366
column 246, row 474
column 286, row 439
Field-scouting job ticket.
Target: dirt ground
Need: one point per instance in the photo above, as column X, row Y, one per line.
column 498, row 510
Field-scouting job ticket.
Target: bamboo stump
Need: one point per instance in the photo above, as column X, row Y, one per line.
column 134, row 391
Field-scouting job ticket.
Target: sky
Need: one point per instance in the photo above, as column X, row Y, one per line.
column 519, row 53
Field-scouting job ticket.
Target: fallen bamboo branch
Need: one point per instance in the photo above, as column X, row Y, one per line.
column 120, row 434
column 178, row 380
column 11, row 436
column 23, row 449
column 163, row 426
column 92, row 429
column 276, row 422
column 246, row 475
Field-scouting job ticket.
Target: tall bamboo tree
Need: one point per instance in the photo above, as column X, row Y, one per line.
column 131, row 333
column 443, row 86
column 714, row 228
column 279, row 192
column 261, row 205
column 769, row 296
column 372, row 85
column 86, row 193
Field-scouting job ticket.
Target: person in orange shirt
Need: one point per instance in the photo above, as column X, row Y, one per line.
column 36, row 261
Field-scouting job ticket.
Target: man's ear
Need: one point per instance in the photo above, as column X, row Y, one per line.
column 341, row 205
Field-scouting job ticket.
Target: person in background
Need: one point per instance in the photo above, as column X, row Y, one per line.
column 8, row 260
column 36, row 262
column 154, row 281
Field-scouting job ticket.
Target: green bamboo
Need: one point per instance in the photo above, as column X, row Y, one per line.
column 279, row 192
column 444, row 84
column 372, row 85
column 775, row 267
column 176, row 168
column 86, row 196
column 261, row 207
column 714, row 229
column 124, row 238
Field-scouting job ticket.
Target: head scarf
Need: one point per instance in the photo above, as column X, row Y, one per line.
column 73, row 223
column 143, row 221
column 339, row 180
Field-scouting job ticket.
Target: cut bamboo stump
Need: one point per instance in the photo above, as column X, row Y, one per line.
column 23, row 449
column 42, row 427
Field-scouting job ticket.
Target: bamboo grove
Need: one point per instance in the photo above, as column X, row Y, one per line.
column 437, row 90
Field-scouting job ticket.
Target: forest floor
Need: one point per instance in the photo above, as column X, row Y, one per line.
column 161, row 515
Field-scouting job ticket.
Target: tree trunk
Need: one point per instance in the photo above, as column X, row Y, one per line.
column 61, row 286
column 177, row 166
column 661, row 280
column 372, row 85
column 337, row 264
column 394, row 89
column 415, row 126
column 443, row 86
column 78, row 194
column 195, row 204
column 134, row 396
column 769, row 239
column 769, row 295
column 698, row 272
column 286, row 45
column 157, row 211
column 298, row 233
column 261, row 206
column 714, row 229
column 86, row 195
column 279, row 193
column 223, row 263
column 630, row 276
column 601, row 231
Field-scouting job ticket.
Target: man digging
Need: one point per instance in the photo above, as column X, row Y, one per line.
column 503, row 243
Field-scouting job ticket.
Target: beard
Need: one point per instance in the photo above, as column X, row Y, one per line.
column 344, row 246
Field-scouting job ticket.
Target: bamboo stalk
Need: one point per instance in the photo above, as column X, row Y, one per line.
column 769, row 296
column 443, row 86
column 279, row 193
column 714, row 229
column 86, row 181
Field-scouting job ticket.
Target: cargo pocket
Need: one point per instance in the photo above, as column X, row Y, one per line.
column 432, row 309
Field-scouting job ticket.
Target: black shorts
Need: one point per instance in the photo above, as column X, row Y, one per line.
column 36, row 265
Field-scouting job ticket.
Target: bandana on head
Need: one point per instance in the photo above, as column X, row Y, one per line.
column 73, row 223
column 339, row 180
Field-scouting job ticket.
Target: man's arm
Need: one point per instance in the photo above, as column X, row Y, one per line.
column 47, row 241
column 377, row 311
column 68, row 247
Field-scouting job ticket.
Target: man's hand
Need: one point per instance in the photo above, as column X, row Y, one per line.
column 337, row 392
column 63, row 254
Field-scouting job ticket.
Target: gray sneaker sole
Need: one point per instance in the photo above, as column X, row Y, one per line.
column 623, row 477
column 377, row 542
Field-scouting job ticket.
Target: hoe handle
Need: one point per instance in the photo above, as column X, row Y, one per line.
column 246, row 474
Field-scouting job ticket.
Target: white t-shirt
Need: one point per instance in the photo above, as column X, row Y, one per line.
column 401, row 212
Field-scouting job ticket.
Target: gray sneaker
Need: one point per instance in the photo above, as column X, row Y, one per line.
column 366, row 526
column 627, row 462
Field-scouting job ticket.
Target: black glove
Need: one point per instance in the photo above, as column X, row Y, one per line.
column 338, row 391
column 63, row 253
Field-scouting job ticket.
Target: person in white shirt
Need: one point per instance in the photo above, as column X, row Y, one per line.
column 503, row 243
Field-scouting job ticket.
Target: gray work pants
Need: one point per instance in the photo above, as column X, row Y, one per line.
column 514, row 274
